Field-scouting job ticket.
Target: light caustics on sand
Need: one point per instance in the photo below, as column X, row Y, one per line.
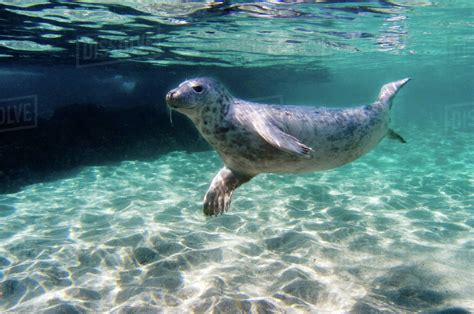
column 132, row 236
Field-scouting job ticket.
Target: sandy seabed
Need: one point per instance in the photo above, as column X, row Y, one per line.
column 391, row 232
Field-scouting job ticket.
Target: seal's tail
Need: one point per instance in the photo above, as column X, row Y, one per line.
column 386, row 95
column 389, row 91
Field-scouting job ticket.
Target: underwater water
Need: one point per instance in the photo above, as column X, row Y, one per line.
column 101, row 195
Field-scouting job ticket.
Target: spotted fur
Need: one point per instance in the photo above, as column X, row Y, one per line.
column 256, row 138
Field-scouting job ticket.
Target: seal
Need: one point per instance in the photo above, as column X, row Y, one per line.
column 253, row 138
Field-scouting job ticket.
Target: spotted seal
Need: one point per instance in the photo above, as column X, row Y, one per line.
column 254, row 138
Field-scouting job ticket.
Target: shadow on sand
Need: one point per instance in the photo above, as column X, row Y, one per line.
column 79, row 135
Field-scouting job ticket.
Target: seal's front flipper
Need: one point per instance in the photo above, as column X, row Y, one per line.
column 395, row 136
column 273, row 135
column 218, row 197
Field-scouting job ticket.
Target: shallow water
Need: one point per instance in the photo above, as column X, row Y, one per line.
column 373, row 234
column 102, row 210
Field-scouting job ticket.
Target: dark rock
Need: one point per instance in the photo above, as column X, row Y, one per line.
column 293, row 273
column 84, row 294
column 273, row 268
column 365, row 243
column 53, row 270
column 231, row 306
column 171, row 281
column 211, row 292
column 120, row 203
column 55, row 277
column 288, row 242
column 264, row 307
column 196, row 240
column 95, row 221
column 4, row 261
column 167, row 248
column 65, row 308
column 12, row 291
column 416, row 297
column 411, row 287
column 410, row 275
column 128, row 276
column 83, row 271
column 250, row 249
column 6, row 234
column 6, row 210
column 33, row 289
column 448, row 310
column 91, row 259
column 127, row 293
column 132, row 240
column 32, row 248
column 143, row 309
column 202, row 306
column 172, row 301
column 342, row 214
column 161, row 268
column 363, row 307
column 144, row 255
column 287, row 299
column 19, row 268
column 307, row 290
column 197, row 257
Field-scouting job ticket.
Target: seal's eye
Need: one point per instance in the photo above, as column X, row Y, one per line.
column 198, row 89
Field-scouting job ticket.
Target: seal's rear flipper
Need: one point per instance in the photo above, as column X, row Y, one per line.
column 389, row 91
column 218, row 197
column 274, row 136
column 391, row 134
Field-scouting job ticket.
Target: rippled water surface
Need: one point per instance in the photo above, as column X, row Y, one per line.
column 392, row 232
column 233, row 34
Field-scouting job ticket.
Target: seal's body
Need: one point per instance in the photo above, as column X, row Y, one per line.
column 256, row 138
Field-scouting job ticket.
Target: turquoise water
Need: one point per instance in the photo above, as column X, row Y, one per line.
column 122, row 231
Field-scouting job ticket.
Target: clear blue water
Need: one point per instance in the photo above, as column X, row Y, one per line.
column 101, row 208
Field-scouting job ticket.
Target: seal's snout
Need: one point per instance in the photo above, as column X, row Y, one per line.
column 169, row 96
column 172, row 97
column 191, row 95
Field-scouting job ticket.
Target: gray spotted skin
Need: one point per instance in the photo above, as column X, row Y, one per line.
column 256, row 138
column 336, row 137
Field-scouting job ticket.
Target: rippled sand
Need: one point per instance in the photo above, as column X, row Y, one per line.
column 393, row 231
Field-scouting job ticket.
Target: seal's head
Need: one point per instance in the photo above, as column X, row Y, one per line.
column 195, row 95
